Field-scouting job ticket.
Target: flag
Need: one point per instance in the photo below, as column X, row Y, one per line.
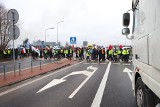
column 47, row 48
column 36, row 50
column 24, row 50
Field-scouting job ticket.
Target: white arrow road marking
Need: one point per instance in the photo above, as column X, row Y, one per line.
column 51, row 84
column 97, row 100
column 89, row 74
column 128, row 72
column 58, row 81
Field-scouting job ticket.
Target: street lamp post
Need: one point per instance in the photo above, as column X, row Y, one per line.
column 57, row 30
column 45, row 32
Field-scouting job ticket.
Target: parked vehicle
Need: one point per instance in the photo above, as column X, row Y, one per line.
column 146, row 52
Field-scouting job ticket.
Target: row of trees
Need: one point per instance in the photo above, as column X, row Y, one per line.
column 4, row 24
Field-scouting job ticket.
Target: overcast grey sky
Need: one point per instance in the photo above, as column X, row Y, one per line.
column 96, row 21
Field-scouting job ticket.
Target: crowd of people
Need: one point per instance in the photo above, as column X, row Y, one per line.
column 112, row 54
column 7, row 54
column 98, row 54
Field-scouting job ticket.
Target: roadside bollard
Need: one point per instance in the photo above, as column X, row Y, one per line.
column 31, row 66
column 40, row 65
column 19, row 68
column 4, row 66
column 14, row 70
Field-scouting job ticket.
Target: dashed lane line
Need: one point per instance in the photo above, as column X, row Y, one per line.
column 94, row 63
column 116, row 63
column 127, row 64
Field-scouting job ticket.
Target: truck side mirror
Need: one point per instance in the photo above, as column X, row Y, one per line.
column 126, row 19
column 125, row 31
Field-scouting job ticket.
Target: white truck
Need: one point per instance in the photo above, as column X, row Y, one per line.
column 146, row 50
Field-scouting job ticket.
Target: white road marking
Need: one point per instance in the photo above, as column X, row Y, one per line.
column 28, row 83
column 81, row 85
column 128, row 72
column 116, row 63
column 51, row 84
column 94, row 63
column 126, row 64
column 130, row 76
column 55, row 82
column 98, row 97
column 86, row 63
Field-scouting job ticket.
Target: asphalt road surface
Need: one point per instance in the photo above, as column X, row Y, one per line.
column 82, row 85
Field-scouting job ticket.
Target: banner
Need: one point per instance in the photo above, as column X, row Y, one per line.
column 36, row 50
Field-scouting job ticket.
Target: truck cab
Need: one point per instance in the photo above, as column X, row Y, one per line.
column 145, row 39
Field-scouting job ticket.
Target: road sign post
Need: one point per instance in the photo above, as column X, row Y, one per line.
column 13, row 30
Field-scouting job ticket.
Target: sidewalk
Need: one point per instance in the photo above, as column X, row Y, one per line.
column 27, row 73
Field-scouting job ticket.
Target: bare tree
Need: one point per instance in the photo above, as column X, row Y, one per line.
column 4, row 24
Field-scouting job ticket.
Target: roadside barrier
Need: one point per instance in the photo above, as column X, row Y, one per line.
column 4, row 66
column 19, row 68
column 20, row 65
column 40, row 65
column 31, row 65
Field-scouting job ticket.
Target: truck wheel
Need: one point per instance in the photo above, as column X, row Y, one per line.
column 140, row 93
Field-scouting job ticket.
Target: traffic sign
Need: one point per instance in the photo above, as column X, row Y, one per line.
column 13, row 32
column 72, row 40
column 13, row 16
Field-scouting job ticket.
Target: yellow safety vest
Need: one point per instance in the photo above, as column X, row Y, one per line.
column 67, row 51
column 70, row 51
column 124, row 52
column 127, row 52
column 9, row 52
column 115, row 53
column 119, row 52
column 4, row 52
column 110, row 52
column 87, row 54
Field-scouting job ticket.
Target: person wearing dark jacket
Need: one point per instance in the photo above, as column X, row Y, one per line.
column 100, row 54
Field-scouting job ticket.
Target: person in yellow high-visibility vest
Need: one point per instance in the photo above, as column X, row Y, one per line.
column 115, row 55
column 88, row 55
column 124, row 53
column 127, row 55
column 111, row 54
column 80, row 54
column 66, row 53
column 9, row 54
column 5, row 54
column 70, row 53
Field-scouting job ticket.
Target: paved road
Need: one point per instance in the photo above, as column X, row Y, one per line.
column 82, row 85
column 25, row 63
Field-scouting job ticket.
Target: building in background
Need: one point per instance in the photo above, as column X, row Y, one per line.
column 85, row 43
column 43, row 44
